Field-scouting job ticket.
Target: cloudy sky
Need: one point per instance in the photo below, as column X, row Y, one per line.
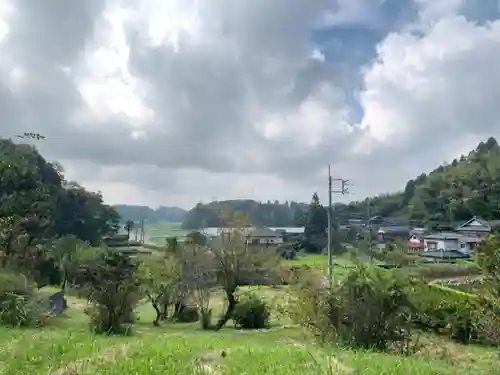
column 177, row 101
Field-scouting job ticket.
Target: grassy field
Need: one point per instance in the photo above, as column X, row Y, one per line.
column 320, row 261
column 66, row 347
column 164, row 229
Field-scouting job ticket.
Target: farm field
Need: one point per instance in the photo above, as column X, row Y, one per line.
column 164, row 228
column 67, row 347
column 156, row 232
column 431, row 271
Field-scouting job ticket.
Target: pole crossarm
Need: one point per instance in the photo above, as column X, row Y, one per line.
column 344, row 184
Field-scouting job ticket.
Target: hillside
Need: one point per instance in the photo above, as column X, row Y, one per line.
column 456, row 191
column 137, row 213
column 273, row 214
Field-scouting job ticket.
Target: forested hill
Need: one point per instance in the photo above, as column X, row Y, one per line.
column 273, row 214
column 457, row 191
column 137, row 213
column 38, row 204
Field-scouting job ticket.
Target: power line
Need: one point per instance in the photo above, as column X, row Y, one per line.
column 344, row 184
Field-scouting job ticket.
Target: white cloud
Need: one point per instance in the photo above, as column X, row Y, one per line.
column 170, row 102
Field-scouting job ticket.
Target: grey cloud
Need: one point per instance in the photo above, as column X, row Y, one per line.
column 248, row 63
column 52, row 31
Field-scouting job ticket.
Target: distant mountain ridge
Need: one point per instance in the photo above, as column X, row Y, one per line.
column 138, row 213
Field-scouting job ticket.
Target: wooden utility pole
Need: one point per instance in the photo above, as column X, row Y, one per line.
column 343, row 190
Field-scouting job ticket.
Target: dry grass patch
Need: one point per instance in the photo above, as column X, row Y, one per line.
column 107, row 355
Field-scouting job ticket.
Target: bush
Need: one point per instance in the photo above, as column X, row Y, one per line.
column 251, row 312
column 464, row 317
column 187, row 314
column 20, row 305
column 367, row 309
column 111, row 286
column 101, row 321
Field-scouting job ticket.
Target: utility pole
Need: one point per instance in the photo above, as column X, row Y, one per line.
column 343, row 190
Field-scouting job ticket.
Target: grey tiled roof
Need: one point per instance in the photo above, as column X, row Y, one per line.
column 262, row 232
column 484, row 227
column 450, row 236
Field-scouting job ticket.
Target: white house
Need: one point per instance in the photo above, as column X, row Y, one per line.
column 264, row 236
column 450, row 242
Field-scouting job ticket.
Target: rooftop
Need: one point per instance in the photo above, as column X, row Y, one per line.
column 451, row 236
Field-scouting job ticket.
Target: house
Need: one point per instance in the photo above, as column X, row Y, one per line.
column 418, row 231
column 475, row 227
column 450, row 241
column 391, row 232
column 377, row 220
column 356, row 223
column 415, row 244
column 263, row 236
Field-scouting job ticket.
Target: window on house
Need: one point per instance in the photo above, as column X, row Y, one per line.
column 462, row 245
column 432, row 245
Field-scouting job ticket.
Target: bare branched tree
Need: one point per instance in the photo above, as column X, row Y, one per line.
column 201, row 278
column 237, row 263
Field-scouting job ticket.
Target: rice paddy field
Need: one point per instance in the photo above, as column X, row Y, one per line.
column 66, row 347
column 157, row 232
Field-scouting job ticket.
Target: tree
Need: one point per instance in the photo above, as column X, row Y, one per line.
column 65, row 252
column 158, row 284
column 315, row 236
column 111, row 285
column 317, row 219
column 238, row 264
column 488, row 253
column 174, row 255
column 85, row 215
column 28, row 200
column 272, row 214
column 201, row 278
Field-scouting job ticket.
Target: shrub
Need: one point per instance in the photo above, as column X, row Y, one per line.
column 367, row 309
column 19, row 303
column 251, row 312
column 111, row 286
column 187, row 314
column 446, row 311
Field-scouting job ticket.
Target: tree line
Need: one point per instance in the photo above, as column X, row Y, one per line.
column 271, row 214
column 138, row 213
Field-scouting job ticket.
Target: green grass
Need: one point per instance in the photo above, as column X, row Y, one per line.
column 165, row 228
column 319, row 263
column 66, row 347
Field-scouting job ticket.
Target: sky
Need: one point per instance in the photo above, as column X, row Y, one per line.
column 173, row 102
